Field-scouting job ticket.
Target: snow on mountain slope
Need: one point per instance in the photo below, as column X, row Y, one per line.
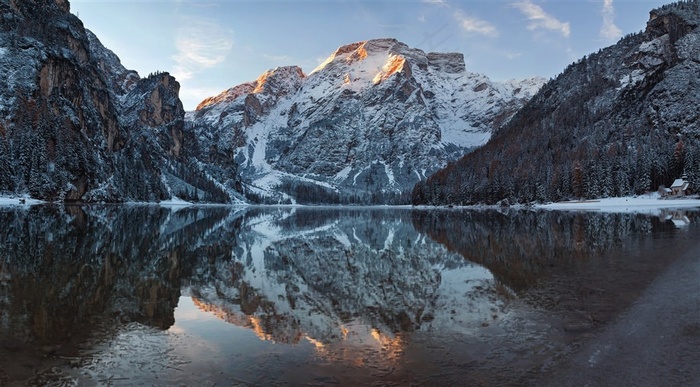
column 364, row 126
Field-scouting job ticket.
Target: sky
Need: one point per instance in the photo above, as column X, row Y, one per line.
column 210, row 46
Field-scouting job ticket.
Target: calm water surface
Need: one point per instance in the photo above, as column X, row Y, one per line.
column 123, row 295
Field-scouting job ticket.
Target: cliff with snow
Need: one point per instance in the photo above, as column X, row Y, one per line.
column 75, row 125
column 364, row 126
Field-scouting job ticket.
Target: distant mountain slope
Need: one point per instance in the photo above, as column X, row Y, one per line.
column 621, row 121
column 366, row 125
column 75, row 125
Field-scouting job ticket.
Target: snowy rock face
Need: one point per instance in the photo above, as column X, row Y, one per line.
column 618, row 122
column 364, row 126
column 75, row 125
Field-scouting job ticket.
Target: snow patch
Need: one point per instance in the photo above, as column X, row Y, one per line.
column 343, row 174
column 175, row 202
column 649, row 204
column 16, row 201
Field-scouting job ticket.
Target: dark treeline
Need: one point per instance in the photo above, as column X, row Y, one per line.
column 310, row 193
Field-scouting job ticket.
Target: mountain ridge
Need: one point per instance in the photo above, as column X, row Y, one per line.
column 618, row 122
column 364, row 126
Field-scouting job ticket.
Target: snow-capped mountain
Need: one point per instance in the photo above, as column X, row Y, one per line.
column 366, row 125
column 618, row 122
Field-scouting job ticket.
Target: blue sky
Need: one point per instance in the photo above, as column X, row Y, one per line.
column 211, row 46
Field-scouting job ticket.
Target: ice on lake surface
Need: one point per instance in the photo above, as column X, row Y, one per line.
column 124, row 295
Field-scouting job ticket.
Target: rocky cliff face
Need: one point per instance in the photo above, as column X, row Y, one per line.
column 619, row 122
column 366, row 125
column 76, row 125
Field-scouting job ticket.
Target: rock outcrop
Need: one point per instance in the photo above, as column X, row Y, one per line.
column 75, row 125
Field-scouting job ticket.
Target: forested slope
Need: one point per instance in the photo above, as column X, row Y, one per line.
column 618, row 122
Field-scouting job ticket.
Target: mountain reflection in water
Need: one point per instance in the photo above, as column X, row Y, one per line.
column 351, row 286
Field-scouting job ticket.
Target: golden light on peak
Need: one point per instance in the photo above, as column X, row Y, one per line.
column 228, row 95
column 394, row 64
column 351, row 53
column 359, row 54
column 261, row 81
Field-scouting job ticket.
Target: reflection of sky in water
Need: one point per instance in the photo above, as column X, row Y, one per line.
column 208, row 328
column 216, row 337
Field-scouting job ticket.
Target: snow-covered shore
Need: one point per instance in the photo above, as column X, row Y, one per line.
column 15, row 201
column 649, row 203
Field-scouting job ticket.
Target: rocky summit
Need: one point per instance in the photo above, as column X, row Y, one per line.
column 363, row 127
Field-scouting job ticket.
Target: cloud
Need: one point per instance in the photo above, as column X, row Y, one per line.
column 436, row 2
column 475, row 25
column 200, row 44
column 513, row 55
column 278, row 58
column 609, row 30
column 539, row 19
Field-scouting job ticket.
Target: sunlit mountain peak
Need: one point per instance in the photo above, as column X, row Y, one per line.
column 275, row 78
column 359, row 51
column 394, row 64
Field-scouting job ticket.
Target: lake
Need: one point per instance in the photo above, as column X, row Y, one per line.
column 130, row 294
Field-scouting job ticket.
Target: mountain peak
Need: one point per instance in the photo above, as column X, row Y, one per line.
column 375, row 118
column 359, row 51
column 676, row 20
column 279, row 81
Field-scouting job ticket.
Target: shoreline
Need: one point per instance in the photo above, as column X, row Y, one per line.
column 641, row 203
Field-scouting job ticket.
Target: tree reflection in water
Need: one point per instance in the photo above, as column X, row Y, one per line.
column 356, row 284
